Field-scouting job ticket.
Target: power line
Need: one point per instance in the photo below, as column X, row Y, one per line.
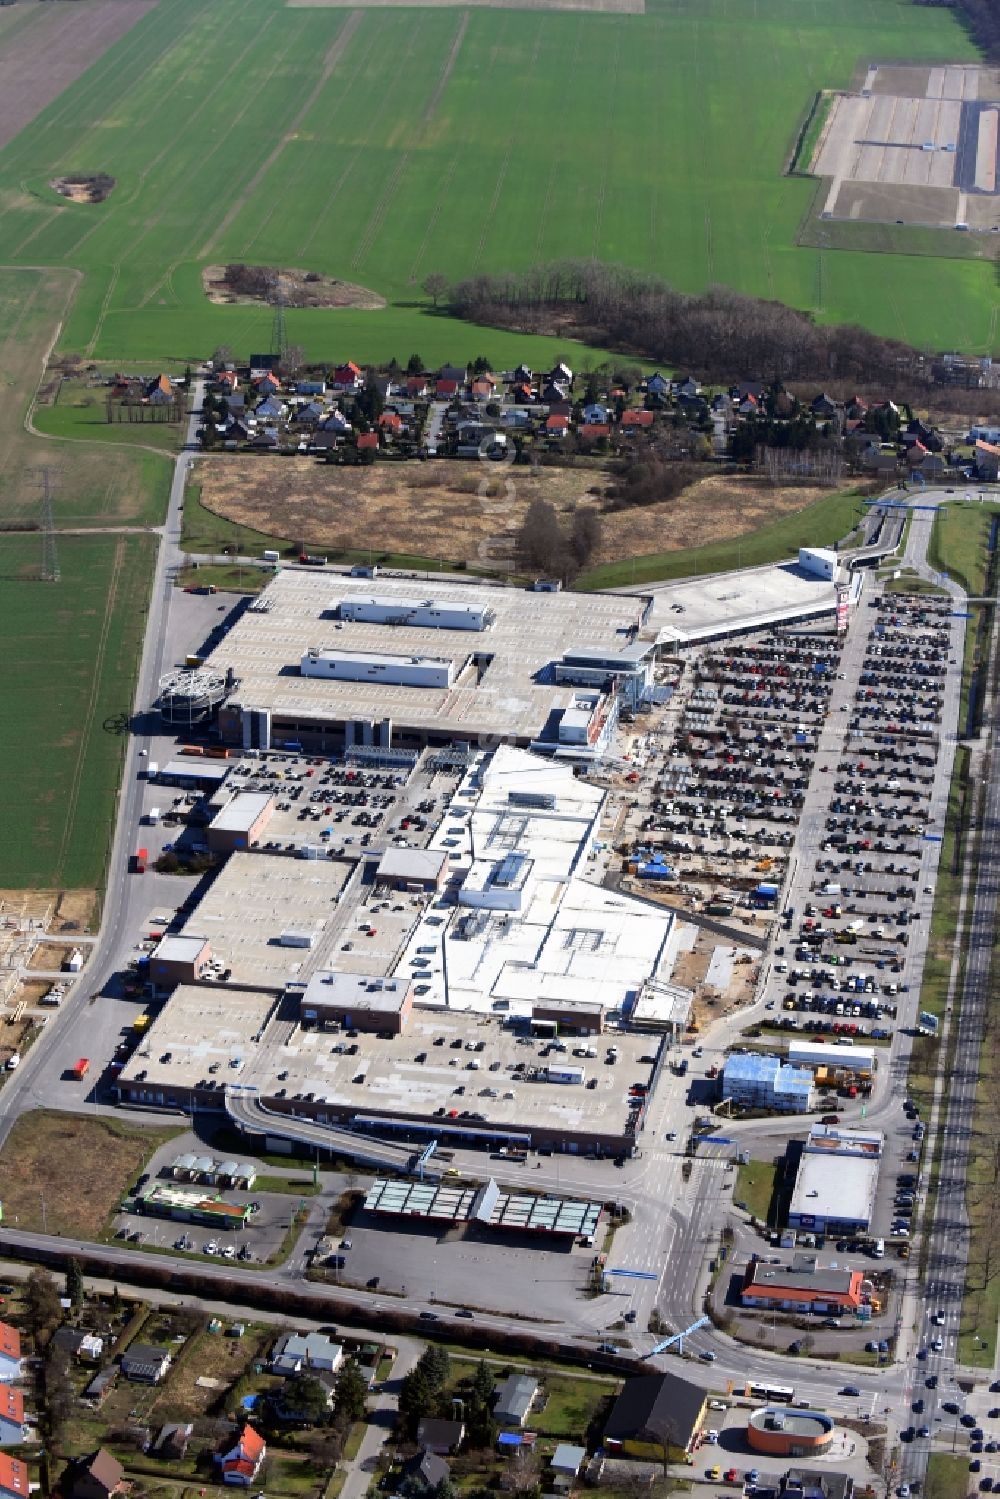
column 279, row 337
column 50, row 556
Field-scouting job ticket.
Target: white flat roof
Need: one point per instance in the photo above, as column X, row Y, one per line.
column 512, row 697
column 750, row 599
column 362, row 990
column 411, row 863
column 239, row 815
column 179, row 949
column 840, row 1187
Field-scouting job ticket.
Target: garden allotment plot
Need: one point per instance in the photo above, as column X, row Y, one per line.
column 917, row 145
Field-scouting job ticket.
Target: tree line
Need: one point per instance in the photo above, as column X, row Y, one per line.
column 720, row 335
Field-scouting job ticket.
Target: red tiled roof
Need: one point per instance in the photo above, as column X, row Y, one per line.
column 368, row 440
column 637, row 419
column 556, row 423
column 390, row 419
column 987, row 447
column 11, row 1404
column 447, row 387
column 252, row 1444
column 13, row 1476
column 10, row 1341
column 595, row 429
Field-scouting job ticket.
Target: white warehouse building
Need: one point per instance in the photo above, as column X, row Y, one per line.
column 367, row 666
column 417, row 614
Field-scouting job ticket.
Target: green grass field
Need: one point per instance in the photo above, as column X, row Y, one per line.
column 823, row 523
column 379, row 145
column 78, row 644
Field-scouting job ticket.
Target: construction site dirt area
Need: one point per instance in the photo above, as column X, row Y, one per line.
column 83, row 189
column 721, row 975
column 470, row 512
column 66, row 1173
column 49, row 957
column 298, row 289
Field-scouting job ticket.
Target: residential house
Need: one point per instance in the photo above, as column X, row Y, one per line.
column 561, row 374
column 750, row 405
column 160, row 392
column 746, row 388
column 426, row 1472
column 390, row 423
column 593, row 431
column 10, row 1352
column 417, row 387
column 878, row 460
column 11, row 1416
column 567, row 1459
column 145, row 1364
column 514, row 1399
column 335, row 421
column 13, row 1478
column 386, row 386
column 556, row 425
column 227, row 381
column 306, row 1351
column 270, row 410
column 263, row 364
column 482, row 388
column 823, row 406
column 172, row 1440
column 310, row 388
column 987, row 461
column 435, row 1435
column 446, row 389
column 927, row 435
column 99, row 1476
column 554, row 394
column 348, row 377
column 658, row 385
column 242, row 1462
column 453, row 372
column 685, row 385
column 656, row 1415
column 236, row 402
column 635, row 421
column 521, row 393
column 914, row 451
column 309, row 415
column 267, row 385
column 932, row 466
column 522, row 375
column 856, row 406
column 596, row 413
column 77, row 1343
column 367, row 442
column 268, row 438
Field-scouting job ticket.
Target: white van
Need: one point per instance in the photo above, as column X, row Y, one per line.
column 879, row 1249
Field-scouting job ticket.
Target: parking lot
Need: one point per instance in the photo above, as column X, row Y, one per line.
column 730, row 766
column 464, row 1266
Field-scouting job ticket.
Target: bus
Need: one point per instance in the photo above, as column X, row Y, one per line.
column 781, row 1394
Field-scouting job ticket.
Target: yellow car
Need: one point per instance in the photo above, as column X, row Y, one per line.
column 713, row 1473
column 452, row 1171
